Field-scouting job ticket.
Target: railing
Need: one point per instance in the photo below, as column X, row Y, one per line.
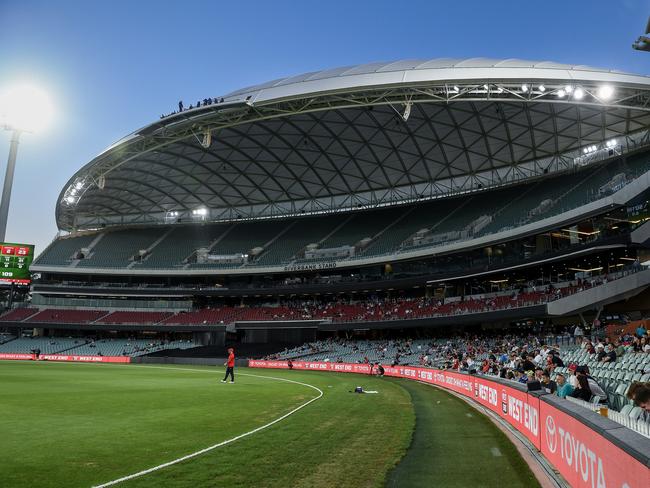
column 638, row 425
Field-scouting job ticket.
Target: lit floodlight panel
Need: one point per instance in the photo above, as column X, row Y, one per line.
column 25, row 108
column 15, row 260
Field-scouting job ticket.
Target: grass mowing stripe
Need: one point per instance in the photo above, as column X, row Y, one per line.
column 451, row 449
column 223, row 443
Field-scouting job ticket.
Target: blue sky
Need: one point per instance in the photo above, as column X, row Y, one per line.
column 112, row 67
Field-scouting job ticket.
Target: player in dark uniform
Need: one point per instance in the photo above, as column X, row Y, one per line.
column 230, row 366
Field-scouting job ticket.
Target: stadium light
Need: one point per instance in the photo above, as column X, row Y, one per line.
column 541, row 88
column 605, row 92
column 578, row 93
column 524, row 88
column 200, row 212
column 561, row 93
column 23, row 108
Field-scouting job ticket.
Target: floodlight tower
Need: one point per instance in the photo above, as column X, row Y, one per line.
column 8, row 182
column 23, row 108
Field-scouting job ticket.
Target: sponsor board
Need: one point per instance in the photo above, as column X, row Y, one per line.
column 60, row 357
column 16, row 356
column 85, row 359
column 583, row 457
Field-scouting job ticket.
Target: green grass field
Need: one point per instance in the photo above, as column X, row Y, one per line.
column 80, row 425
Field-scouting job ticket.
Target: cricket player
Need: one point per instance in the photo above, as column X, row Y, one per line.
column 230, row 366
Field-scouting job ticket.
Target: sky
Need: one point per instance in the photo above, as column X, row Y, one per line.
column 112, row 67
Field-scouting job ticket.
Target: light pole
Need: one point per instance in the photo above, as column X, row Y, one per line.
column 9, row 179
column 23, row 108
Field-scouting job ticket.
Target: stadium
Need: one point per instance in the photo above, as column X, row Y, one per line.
column 451, row 220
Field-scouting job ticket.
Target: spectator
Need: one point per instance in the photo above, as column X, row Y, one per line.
column 583, row 392
column 556, row 359
column 573, row 380
column 610, row 354
column 564, row 389
column 639, row 393
column 578, row 334
column 527, row 364
column 548, row 384
column 595, row 388
column 641, row 330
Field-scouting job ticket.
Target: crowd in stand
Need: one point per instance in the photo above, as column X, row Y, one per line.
column 524, row 359
column 382, row 308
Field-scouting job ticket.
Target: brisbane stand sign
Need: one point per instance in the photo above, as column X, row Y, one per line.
column 583, row 456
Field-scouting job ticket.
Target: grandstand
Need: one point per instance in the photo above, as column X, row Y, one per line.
column 388, row 232
column 485, row 354
column 89, row 347
column 412, row 195
column 400, row 200
column 447, row 215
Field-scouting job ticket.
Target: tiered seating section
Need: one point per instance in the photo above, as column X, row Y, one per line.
column 390, row 230
column 135, row 318
column 46, row 345
column 67, row 316
column 206, row 316
column 335, row 311
column 90, row 347
column 614, row 378
column 18, row 314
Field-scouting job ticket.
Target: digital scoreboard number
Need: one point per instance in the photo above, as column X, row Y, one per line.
column 14, row 263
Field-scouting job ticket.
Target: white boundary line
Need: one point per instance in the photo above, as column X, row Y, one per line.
column 223, row 443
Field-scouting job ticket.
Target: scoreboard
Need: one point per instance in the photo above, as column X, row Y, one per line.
column 14, row 263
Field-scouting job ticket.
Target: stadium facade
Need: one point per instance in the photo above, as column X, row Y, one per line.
column 473, row 190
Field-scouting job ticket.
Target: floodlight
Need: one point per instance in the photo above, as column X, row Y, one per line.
column 541, row 88
column 25, row 108
column 605, row 92
column 561, row 93
column 578, row 93
column 568, row 88
column 524, row 88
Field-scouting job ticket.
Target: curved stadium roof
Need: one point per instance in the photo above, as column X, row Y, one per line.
column 360, row 136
